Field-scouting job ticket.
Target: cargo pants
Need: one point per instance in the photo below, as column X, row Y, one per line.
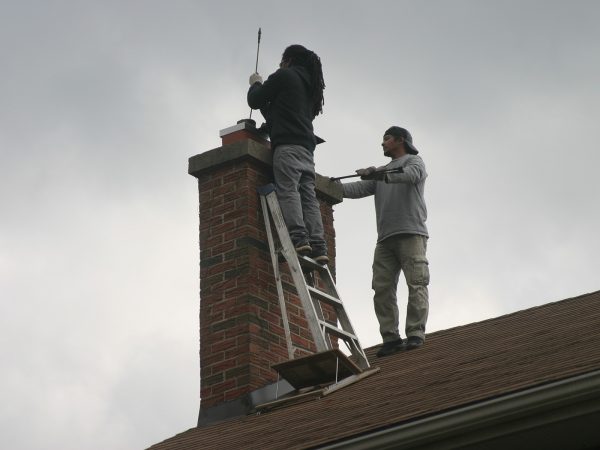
column 401, row 253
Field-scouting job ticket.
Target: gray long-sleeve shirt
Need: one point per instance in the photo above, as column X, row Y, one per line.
column 399, row 200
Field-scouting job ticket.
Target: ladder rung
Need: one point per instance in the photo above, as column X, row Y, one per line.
column 325, row 297
column 310, row 263
column 337, row 331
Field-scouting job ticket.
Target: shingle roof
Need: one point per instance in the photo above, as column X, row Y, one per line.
column 455, row 368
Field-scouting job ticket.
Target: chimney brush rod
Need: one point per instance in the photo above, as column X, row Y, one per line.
column 397, row 169
column 257, row 50
column 256, row 65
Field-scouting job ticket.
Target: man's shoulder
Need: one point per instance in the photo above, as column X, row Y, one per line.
column 414, row 159
column 405, row 160
column 283, row 74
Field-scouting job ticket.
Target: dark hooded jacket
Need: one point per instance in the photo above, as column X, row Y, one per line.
column 285, row 102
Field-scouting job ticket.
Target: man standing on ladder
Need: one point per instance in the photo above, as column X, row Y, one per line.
column 402, row 237
column 289, row 100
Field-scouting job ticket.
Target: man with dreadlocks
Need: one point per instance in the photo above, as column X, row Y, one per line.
column 289, row 100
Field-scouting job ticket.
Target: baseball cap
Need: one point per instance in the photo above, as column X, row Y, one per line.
column 403, row 133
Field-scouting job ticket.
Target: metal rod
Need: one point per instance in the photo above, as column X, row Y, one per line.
column 341, row 178
column 256, row 65
column 257, row 50
column 398, row 169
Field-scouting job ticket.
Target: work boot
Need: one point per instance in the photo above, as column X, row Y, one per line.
column 321, row 259
column 319, row 254
column 414, row 342
column 390, row 347
column 302, row 247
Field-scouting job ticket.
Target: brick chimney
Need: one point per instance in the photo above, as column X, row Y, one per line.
column 241, row 329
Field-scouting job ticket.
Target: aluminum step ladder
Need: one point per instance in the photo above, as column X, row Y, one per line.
column 303, row 270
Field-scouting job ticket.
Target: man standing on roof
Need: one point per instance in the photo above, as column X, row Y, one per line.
column 402, row 236
column 289, row 100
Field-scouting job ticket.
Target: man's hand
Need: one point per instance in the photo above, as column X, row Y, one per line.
column 371, row 173
column 255, row 78
column 366, row 172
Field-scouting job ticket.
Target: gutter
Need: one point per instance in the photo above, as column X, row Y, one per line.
column 506, row 415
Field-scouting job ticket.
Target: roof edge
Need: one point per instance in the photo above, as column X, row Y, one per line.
column 479, row 422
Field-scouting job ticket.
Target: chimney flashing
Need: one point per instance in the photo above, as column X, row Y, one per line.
column 245, row 404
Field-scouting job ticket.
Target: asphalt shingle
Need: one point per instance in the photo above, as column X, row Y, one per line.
column 455, row 368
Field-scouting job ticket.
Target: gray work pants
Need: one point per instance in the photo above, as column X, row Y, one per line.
column 406, row 253
column 294, row 170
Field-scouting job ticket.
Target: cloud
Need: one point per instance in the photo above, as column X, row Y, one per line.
column 103, row 103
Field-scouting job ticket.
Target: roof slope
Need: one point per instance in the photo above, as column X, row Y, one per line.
column 455, row 368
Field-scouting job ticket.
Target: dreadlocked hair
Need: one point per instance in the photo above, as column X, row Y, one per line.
column 297, row 55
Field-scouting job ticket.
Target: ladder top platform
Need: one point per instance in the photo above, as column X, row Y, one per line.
column 316, row 369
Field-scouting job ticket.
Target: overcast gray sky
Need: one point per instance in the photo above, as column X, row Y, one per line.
column 102, row 103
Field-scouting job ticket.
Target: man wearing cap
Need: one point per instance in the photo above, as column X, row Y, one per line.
column 402, row 236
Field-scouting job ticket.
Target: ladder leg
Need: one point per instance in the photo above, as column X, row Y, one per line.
column 296, row 271
column 320, row 316
column 275, row 262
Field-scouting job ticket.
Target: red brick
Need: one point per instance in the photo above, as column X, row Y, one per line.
column 223, row 345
